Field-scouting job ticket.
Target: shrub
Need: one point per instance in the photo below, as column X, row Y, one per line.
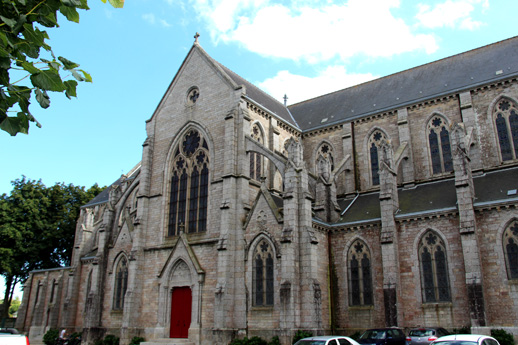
column 275, row 341
column 110, row 339
column 51, row 337
column 300, row 334
column 74, row 339
column 136, row 340
column 503, row 337
column 462, row 330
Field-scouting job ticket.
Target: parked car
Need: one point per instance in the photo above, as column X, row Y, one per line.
column 327, row 340
column 383, row 336
column 425, row 335
column 13, row 339
column 466, row 339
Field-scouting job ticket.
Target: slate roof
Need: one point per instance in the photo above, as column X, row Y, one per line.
column 453, row 74
column 490, row 188
column 260, row 97
column 104, row 196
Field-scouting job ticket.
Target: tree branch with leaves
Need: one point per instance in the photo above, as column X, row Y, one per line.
column 24, row 72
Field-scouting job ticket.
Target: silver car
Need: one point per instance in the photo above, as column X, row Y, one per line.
column 466, row 339
column 425, row 335
column 327, row 340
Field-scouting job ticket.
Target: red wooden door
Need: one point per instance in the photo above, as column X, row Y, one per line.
column 181, row 303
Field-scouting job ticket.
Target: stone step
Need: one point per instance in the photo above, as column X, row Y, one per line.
column 168, row 341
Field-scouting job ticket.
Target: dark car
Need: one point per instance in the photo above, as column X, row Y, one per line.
column 425, row 335
column 383, row 336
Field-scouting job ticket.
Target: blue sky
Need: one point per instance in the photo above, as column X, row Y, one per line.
column 302, row 48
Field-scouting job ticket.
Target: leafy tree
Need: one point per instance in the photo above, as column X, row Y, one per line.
column 24, row 72
column 15, row 305
column 37, row 228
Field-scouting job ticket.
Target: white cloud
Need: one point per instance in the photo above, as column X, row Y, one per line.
column 299, row 88
column 312, row 31
column 451, row 13
column 164, row 23
column 149, row 17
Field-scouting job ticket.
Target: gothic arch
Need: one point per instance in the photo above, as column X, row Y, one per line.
column 256, row 239
column 316, row 151
column 372, row 144
column 179, row 272
column 120, row 280
column 507, row 238
column 503, row 114
column 258, row 165
column 262, row 263
column 434, row 268
column 277, row 160
column 198, row 175
column 437, row 130
column 358, row 272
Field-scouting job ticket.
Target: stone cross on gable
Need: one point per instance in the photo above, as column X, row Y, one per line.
column 196, row 37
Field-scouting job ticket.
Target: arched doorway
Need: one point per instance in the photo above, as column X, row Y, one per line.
column 181, row 307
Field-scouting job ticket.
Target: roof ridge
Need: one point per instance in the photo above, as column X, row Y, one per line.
column 471, row 51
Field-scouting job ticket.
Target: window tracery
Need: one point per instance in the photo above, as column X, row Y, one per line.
column 440, row 148
column 505, row 115
column 326, row 151
column 374, row 144
column 121, row 283
column 189, row 185
column 256, row 159
column 434, row 269
column 360, row 274
column 510, row 243
column 262, row 284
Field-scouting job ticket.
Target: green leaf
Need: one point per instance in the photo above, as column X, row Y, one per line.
column 117, row 3
column 21, row 20
column 48, row 80
column 29, row 67
column 71, row 88
column 72, row 3
column 5, row 62
column 43, row 98
column 88, row 77
column 15, row 125
column 67, row 63
column 70, row 13
column 10, row 22
column 78, row 76
column 34, row 36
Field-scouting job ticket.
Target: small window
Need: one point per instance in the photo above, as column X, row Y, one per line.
column 434, row 269
column 440, row 149
column 505, row 115
column 256, row 159
column 263, row 274
column 510, row 243
column 374, row 144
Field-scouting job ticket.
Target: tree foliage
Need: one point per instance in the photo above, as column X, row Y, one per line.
column 37, row 227
column 28, row 66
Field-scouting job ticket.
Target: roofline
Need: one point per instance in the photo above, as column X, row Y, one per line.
column 407, row 103
column 277, row 116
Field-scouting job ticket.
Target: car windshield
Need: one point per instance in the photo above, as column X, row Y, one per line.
column 310, row 342
column 420, row 333
column 374, row 334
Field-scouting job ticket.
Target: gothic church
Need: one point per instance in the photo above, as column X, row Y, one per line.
column 390, row 203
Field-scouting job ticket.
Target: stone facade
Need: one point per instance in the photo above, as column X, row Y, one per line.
column 268, row 223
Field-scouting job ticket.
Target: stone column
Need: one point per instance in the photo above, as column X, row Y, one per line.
column 467, row 225
column 389, row 203
column 407, row 165
column 348, row 148
column 230, row 294
column 469, row 118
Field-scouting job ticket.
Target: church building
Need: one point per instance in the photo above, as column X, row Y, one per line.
column 390, row 203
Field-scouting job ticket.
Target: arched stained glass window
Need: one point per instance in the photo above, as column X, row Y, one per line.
column 256, row 159
column 374, row 144
column 505, row 115
column 189, row 185
column 510, row 243
column 434, row 269
column 121, row 283
column 440, row 149
column 263, row 274
column 360, row 274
